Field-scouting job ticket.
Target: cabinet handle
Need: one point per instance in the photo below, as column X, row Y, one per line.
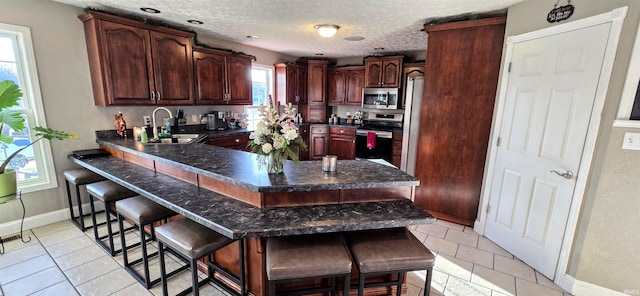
column 237, row 140
column 158, row 95
column 342, row 131
column 153, row 96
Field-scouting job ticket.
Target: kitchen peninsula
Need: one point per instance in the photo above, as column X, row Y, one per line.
column 243, row 201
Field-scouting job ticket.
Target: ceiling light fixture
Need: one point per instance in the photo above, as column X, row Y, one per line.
column 150, row 10
column 195, row 22
column 327, row 30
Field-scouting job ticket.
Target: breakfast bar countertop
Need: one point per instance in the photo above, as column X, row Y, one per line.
column 244, row 170
column 236, row 219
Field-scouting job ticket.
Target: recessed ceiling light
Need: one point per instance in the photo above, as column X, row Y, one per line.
column 195, row 22
column 379, row 48
column 150, row 10
column 354, row 38
column 252, row 37
column 319, row 54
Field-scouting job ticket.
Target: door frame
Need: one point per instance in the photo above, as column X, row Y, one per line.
column 616, row 18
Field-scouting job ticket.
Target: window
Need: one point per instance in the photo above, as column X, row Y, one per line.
column 262, row 87
column 34, row 165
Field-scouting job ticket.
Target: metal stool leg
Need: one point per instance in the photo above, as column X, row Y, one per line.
column 163, row 269
column 399, row 286
column 427, row 282
column 361, row 284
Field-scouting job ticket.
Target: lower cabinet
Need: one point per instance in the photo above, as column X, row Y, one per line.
column 237, row 142
column 318, row 142
column 304, row 133
column 396, row 156
column 342, row 142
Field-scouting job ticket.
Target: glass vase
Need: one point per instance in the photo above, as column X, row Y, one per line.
column 276, row 162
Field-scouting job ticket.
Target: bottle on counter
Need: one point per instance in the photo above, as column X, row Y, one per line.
column 144, row 138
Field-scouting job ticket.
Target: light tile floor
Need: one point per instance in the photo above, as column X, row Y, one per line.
column 62, row 260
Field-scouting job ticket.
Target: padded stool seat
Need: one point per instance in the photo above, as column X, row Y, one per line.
column 389, row 251
column 79, row 177
column 141, row 211
column 108, row 192
column 193, row 241
column 310, row 256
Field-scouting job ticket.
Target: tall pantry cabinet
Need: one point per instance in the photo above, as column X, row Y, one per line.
column 461, row 77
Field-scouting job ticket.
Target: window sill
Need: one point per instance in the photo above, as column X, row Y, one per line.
column 627, row 123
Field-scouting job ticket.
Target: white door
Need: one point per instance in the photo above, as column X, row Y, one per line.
column 549, row 98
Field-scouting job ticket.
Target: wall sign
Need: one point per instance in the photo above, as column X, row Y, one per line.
column 560, row 13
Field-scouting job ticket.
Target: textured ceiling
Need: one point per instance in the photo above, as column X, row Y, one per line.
column 286, row 26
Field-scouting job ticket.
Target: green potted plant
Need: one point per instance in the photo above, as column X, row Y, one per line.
column 10, row 95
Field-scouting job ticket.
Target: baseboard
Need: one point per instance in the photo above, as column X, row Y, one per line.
column 13, row 227
column 581, row 288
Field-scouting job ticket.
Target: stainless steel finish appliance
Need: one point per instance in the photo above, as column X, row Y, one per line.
column 380, row 98
column 382, row 124
column 215, row 121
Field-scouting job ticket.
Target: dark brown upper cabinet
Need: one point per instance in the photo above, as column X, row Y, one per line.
column 133, row 63
column 345, row 85
column 383, row 71
column 291, row 84
column 221, row 78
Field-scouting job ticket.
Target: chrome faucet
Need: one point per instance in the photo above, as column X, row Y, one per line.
column 153, row 115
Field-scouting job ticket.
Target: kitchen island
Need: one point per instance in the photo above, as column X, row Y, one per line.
column 229, row 192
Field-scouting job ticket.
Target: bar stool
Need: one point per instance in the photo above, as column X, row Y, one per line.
column 193, row 241
column 79, row 177
column 108, row 192
column 388, row 251
column 141, row 212
column 292, row 258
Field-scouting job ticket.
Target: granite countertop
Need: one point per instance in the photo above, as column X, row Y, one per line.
column 236, row 219
column 244, row 170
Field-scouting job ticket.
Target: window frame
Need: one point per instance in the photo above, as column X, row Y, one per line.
column 270, row 85
column 33, row 107
column 630, row 88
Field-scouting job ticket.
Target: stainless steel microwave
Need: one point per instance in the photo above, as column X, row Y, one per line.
column 380, row 98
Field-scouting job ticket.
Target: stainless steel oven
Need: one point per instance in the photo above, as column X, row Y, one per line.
column 382, row 149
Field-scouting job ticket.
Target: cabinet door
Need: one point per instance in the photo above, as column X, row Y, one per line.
column 301, row 85
column 317, row 114
column 317, row 75
column 172, row 69
column 337, row 87
column 373, row 73
column 319, row 145
column 355, row 82
column 239, row 80
column 304, row 134
column 293, row 78
column 210, row 82
column 342, row 146
column 390, row 74
column 127, row 64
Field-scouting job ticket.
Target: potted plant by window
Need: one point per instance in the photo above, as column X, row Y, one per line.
column 10, row 95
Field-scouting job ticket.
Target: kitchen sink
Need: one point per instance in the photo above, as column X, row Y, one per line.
column 183, row 139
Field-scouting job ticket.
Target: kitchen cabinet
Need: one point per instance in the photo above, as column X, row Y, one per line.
column 316, row 108
column 345, row 86
column 342, row 142
column 383, row 71
column 455, row 120
column 291, row 84
column 133, row 63
column 396, row 152
column 305, row 133
column 221, row 78
column 318, row 141
column 237, row 142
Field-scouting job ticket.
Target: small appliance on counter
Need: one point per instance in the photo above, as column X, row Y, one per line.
column 215, row 121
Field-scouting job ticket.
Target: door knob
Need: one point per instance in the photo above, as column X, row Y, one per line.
column 566, row 174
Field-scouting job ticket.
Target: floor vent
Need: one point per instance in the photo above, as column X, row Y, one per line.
column 10, row 238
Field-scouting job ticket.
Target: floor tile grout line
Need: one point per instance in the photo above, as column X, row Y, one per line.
column 57, row 266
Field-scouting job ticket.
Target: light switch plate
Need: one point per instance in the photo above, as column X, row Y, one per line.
column 631, row 141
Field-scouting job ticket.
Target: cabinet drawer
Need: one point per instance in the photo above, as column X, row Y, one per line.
column 342, row 131
column 319, row 129
column 230, row 141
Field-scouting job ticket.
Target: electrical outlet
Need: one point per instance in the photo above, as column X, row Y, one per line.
column 147, row 120
column 194, row 118
column 631, row 141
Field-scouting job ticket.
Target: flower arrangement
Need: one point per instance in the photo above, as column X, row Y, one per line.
column 276, row 137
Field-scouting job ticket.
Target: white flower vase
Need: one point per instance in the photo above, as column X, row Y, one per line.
column 275, row 165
